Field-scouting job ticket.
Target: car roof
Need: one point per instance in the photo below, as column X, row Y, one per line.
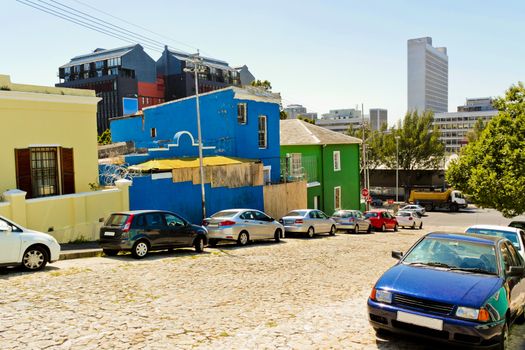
column 136, row 212
column 484, row 239
column 496, row 227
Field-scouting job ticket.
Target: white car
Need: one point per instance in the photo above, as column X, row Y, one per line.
column 21, row 246
column 414, row 208
column 410, row 219
column 515, row 235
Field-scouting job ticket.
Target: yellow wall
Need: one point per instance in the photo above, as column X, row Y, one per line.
column 34, row 115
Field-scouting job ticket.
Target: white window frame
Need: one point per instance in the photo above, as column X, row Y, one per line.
column 336, row 158
column 153, row 132
column 337, row 206
column 267, row 169
column 242, row 119
column 265, row 130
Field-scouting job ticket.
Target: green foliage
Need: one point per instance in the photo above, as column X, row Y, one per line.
column 306, row 119
column 105, row 138
column 375, row 144
column 283, row 115
column 474, row 134
column 492, row 168
column 263, row 84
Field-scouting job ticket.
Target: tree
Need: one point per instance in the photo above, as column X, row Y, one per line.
column 263, row 84
column 105, row 138
column 306, row 119
column 375, row 144
column 492, row 168
column 474, row 134
column 283, row 115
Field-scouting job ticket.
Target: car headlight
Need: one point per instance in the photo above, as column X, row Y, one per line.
column 473, row 314
column 383, row 296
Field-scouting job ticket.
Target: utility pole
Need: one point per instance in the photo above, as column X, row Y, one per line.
column 365, row 175
column 196, row 59
column 397, row 169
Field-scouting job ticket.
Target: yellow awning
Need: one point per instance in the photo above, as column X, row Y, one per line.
column 180, row 163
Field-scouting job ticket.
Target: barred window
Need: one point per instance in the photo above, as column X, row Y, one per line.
column 241, row 113
column 263, row 137
column 44, row 171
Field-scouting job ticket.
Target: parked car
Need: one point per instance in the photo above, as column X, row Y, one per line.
column 518, row 224
column 382, row 220
column 515, row 235
column 419, row 210
column 454, row 288
column 142, row 231
column 22, row 246
column 243, row 226
column 352, row 220
column 409, row 219
column 376, row 202
column 308, row 221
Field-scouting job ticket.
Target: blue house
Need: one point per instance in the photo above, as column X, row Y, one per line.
column 240, row 136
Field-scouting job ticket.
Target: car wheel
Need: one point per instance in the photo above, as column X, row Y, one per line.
column 140, row 249
column 243, row 238
column 414, row 226
column 396, row 228
column 381, row 332
column 311, row 232
column 333, row 230
column 421, row 226
column 383, row 228
column 213, row 242
column 35, row 258
column 504, row 337
column 110, row 252
column 277, row 235
column 356, row 229
column 454, row 207
column 199, row 244
column 429, row 207
column 369, row 229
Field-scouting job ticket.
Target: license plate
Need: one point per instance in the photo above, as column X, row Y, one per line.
column 420, row 320
column 213, row 225
column 288, row 222
column 109, row 233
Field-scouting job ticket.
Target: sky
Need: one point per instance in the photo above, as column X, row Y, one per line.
column 322, row 54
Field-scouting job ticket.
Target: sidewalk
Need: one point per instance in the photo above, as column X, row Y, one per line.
column 79, row 250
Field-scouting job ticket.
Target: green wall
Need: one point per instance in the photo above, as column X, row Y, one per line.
column 347, row 178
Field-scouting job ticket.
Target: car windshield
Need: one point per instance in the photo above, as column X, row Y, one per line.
column 342, row 214
column 511, row 236
column 117, row 220
column 296, row 213
column 371, row 215
column 454, row 254
column 225, row 214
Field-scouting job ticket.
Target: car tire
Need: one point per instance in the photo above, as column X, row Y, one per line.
column 333, row 230
column 35, row 258
column 356, row 229
column 311, row 232
column 369, row 229
column 414, row 226
column 277, row 235
column 429, row 207
column 140, row 249
column 383, row 228
column 243, row 238
column 110, row 252
column 380, row 332
column 396, row 228
column 421, row 226
column 213, row 242
column 454, row 208
column 199, row 244
column 504, row 337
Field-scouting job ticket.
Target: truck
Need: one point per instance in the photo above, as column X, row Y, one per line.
column 450, row 199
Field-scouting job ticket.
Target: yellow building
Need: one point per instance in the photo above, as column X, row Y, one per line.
column 48, row 152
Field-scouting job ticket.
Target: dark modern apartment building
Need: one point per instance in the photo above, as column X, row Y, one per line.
column 124, row 77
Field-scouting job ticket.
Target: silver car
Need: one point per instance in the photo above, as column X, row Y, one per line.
column 352, row 220
column 243, row 226
column 415, row 208
column 309, row 221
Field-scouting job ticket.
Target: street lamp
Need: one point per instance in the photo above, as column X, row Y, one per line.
column 397, row 168
column 196, row 59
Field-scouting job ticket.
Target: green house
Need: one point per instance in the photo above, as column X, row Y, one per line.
column 328, row 160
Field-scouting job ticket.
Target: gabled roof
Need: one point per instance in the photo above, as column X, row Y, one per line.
column 298, row 132
column 99, row 55
column 208, row 61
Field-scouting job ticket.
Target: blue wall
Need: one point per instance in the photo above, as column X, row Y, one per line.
column 220, row 129
column 184, row 198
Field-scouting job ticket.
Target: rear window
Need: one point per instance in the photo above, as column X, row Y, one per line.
column 117, row 220
column 225, row 214
column 511, row 236
column 518, row 224
column 296, row 213
column 371, row 215
column 343, row 214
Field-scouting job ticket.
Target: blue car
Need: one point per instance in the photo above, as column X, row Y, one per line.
column 456, row 288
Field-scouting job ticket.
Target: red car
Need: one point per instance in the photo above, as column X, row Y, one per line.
column 382, row 220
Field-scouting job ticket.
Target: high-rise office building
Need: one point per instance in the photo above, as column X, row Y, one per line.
column 427, row 69
column 294, row 111
column 378, row 117
column 341, row 120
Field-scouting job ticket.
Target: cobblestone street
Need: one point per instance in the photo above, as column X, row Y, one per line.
column 298, row 294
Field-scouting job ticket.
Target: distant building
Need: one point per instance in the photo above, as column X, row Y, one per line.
column 216, row 74
column 125, row 78
column 340, row 120
column 454, row 126
column 293, row 111
column 245, row 75
column 378, row 117
column 427, row 69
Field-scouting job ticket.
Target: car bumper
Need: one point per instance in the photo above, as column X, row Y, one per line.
column 455, row 331
column 345, row 226
column 227, row 233
column 124, row 244
column 54, row 250
column 295, row 228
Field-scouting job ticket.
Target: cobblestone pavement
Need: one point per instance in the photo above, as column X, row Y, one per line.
column 297, row 294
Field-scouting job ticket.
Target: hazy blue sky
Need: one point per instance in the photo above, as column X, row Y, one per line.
column 322, row 54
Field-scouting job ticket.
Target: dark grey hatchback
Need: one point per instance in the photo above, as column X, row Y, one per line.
column 141, row 231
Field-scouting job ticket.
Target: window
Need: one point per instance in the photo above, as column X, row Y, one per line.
column 153, row 219
column 267, row 174
column 337, row 197
column 45, row 171
column 263, row 137
column 241, row 113
column 153, row 132
column 174, row 221
column 337, row 160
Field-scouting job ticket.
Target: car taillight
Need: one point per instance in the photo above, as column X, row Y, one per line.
column 205, row 223
column 299, row 221
column 410, row 219
column 127, row 225
column 227, row 223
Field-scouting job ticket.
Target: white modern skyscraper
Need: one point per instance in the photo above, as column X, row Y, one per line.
column 427, row 76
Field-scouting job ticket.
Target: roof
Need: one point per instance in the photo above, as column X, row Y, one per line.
column 496, row 227
column 181, row 163
column 484, row 239
column 208, row 61
column 99, row 55
column 13, row 88
column 298, row 132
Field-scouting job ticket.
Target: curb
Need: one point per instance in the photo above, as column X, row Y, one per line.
column 78, row 254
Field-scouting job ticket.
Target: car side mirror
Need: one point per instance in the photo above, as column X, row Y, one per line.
column 397, row 255
column 516, row 271
column 270, row 219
